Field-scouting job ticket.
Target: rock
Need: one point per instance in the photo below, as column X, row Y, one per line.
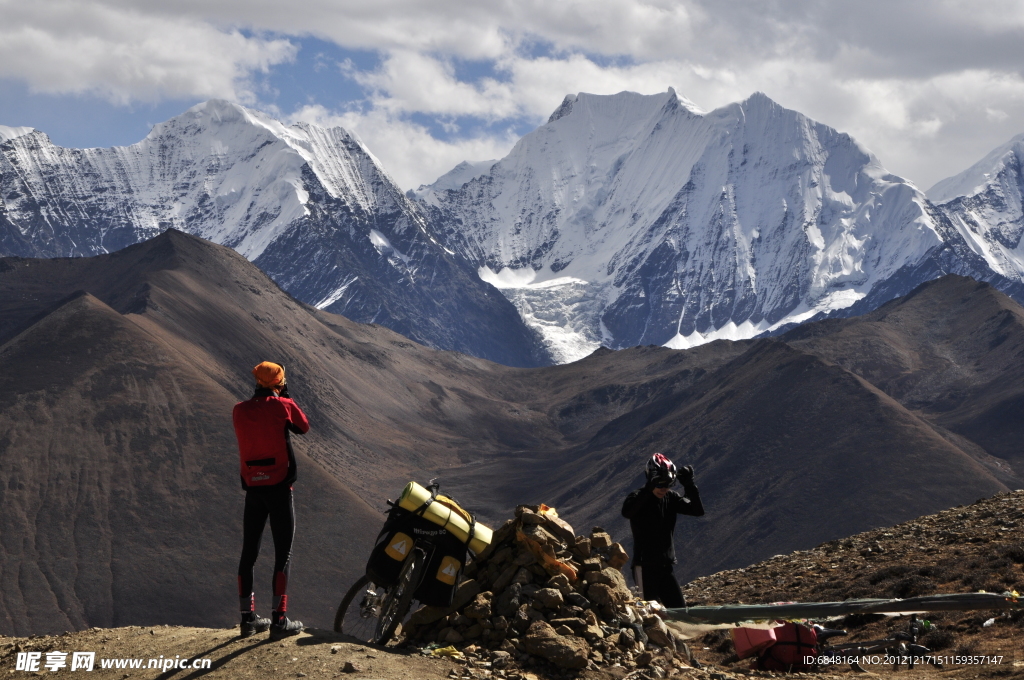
column 531, row 518
column 468, row 589
column 643, row 659
column 617, row 579
column 559, row 581
column 473, row 632
column 499, row 623
column 500, row 659
column 582, row 547
column 452, row 637
column 604, row 594
column 578, row 600
column 561, row 529
column 617, row 556
column 576, row 625
column 563, row 651
column 520, row 621
column 549, row 598
column 508, row 602
column 524, row 575
column 350, row 667
column 658, row 632
column 600, row 540
column 524, row 559
column 504, row 578
column 480, row 607
column 591, row 564
column 542, row 536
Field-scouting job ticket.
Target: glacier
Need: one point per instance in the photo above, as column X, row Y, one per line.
column 641, row 219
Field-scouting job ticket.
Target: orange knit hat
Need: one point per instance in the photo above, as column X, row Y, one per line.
column 268, row 374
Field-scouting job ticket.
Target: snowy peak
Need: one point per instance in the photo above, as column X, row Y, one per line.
column 7, row 133
column 986, row 205
column 309, row 205
column 635, row 219
column 980, row 176
column 466, row 171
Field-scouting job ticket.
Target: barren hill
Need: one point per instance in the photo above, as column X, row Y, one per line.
column 117, row 460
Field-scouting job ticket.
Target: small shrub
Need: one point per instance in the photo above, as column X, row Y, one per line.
column 966, row 648
column 887, row 573
column 936, row 640
column 912, row 586
column 1015, row 552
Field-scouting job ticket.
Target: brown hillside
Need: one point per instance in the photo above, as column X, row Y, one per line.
column 120, row 497
column 769, row 427
column 951, row 351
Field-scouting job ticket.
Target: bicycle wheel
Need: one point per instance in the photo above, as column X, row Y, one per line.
column 359, row 610
column 395, row 604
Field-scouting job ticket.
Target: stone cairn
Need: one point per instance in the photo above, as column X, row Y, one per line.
column 539, row 593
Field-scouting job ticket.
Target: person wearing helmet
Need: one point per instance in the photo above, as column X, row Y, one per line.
column 267, row 467
column 651, row 512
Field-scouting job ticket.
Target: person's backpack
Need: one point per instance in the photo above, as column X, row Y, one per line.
column 794, row 649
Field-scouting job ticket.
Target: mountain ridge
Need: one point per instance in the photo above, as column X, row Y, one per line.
column 311, row 206
column 634, row 219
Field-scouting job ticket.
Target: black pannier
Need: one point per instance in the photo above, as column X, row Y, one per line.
column 446, row 556
column 444, row 570
column 393, row 544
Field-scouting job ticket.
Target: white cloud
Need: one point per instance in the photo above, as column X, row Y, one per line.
column 407, row 151
column 122, row 55
column 929, row 87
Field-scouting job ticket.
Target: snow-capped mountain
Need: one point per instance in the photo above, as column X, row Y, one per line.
column 985, row 202
column 309, row 205
column 630, row 219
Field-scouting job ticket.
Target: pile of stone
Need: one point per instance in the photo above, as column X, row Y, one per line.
column 539, row 593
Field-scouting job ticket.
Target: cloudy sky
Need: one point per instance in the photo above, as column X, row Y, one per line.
column 930, row 86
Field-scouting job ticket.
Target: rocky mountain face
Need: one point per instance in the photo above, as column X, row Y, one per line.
column 310, row 206
column 631, row 219
column 118, row 475
column 986, row 204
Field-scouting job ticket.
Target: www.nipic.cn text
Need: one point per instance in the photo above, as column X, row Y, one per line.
column 34, row 662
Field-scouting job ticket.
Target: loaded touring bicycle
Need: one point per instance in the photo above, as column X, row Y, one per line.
column 419, row 555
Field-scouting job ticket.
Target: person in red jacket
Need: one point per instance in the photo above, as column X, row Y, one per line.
column 267, row 467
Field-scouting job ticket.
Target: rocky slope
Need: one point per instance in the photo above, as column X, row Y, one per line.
column 958, row 550
column 984, row 202
column 964, row 549
column 310, row 206
column 631, row 219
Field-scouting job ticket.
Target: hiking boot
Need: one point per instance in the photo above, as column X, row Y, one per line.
column 285, row 628
column 254, row 625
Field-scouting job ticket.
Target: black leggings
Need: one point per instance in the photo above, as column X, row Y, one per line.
column 659, row 583
column 277, row 505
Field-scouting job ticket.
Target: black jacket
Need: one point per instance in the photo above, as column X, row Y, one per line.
column 653, row 521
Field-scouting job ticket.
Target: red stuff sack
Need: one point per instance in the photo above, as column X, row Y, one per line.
column 752, row 641
column 795, row 647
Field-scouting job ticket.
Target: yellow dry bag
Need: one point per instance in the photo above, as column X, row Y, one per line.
column 446, row 513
